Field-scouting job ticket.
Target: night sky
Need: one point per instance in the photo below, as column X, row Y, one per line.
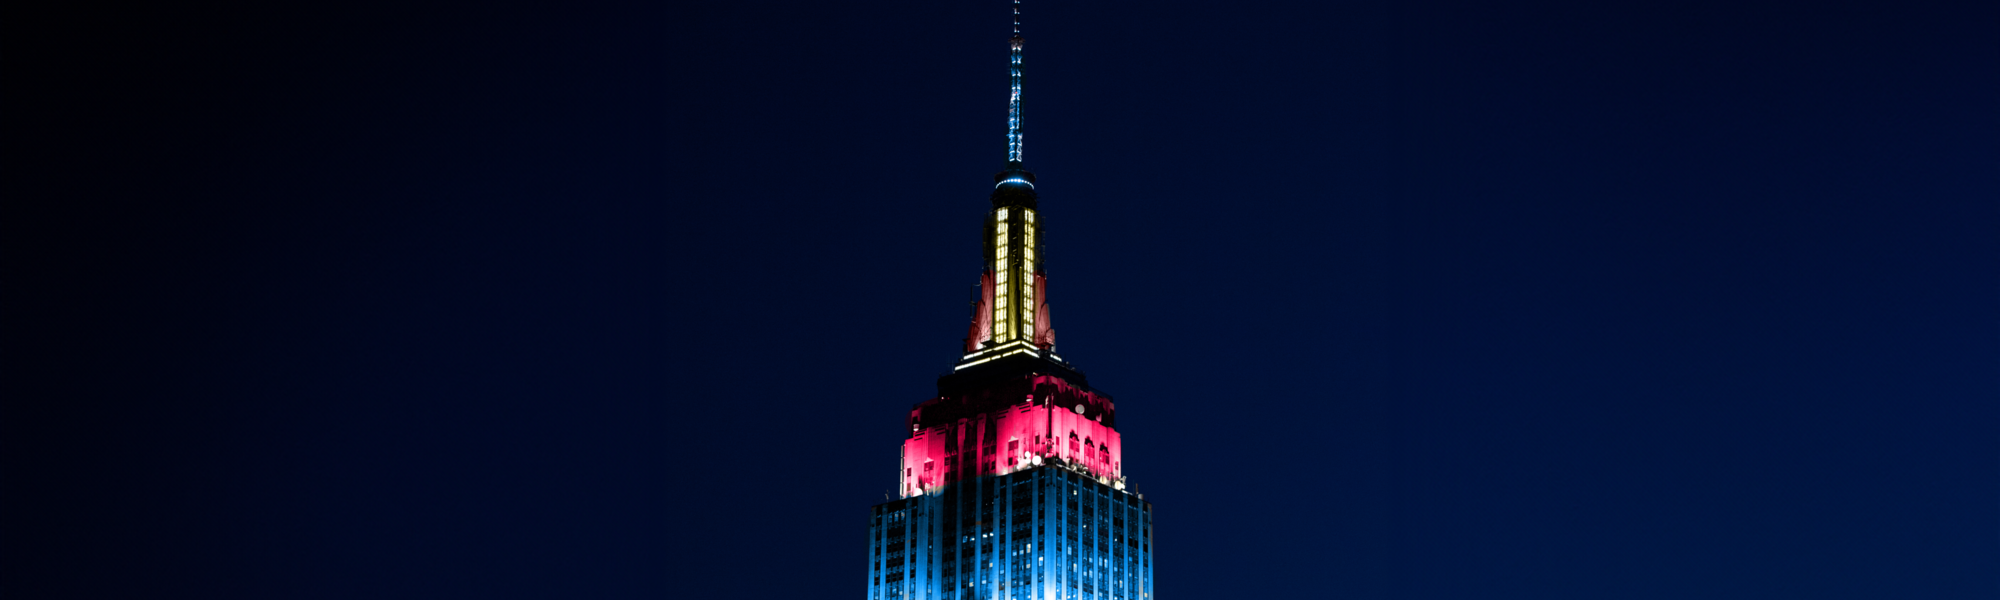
column 1411, row 300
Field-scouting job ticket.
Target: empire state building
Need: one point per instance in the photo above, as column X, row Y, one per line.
column 1011, row 481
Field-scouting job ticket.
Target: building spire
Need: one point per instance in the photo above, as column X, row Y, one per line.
column 1010, row 312
column 1014, row 101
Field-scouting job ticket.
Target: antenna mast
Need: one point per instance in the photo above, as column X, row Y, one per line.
column 1014, row 101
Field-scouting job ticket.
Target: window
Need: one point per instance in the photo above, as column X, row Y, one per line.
column 1027, row 278
column 1002, row 290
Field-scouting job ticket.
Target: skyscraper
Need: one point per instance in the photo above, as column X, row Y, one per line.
column 1011, row 481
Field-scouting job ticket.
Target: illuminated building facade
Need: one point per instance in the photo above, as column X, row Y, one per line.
column 1011, row 482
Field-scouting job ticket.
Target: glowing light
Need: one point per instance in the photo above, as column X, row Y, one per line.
column 1014, row 98
column 996, row 356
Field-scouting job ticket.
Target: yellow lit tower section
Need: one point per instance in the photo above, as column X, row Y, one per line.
column 1013, row 270
column 1012, row 247
column 1010, row 306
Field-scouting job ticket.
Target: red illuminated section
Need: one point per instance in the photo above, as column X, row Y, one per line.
column 1045, row 333
column 1012, row 425
column 982, row 314
column 981, row 332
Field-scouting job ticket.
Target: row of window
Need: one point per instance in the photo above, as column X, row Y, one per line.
column 1011, row 288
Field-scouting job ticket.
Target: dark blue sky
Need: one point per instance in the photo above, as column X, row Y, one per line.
column 1398, row 300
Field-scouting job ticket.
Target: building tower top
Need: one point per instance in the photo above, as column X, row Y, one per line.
column 1015, row 445
column 1010, row 311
